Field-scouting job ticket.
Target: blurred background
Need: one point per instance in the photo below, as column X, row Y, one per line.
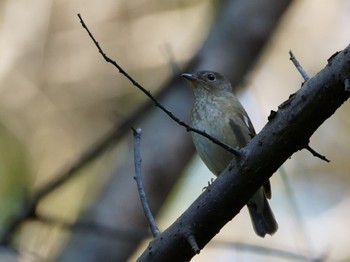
column 59, row 99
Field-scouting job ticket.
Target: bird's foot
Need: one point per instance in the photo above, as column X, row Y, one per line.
column 209, row 184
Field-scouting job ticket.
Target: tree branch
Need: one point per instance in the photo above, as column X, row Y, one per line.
column 141, row 189
column 287, row 132
column 230, row 51
column 233, row 150
column 316, row 154
column 298, row 66
column 306, row 78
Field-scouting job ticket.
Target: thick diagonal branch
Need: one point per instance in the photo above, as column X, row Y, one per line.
column 287, row 132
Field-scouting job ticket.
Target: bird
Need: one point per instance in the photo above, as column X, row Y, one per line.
column 218, row 112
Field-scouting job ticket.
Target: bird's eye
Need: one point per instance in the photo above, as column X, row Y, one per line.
column 211, row 77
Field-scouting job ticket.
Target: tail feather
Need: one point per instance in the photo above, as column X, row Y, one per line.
column 262, row 217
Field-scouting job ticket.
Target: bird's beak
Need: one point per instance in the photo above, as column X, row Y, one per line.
column 189, row 77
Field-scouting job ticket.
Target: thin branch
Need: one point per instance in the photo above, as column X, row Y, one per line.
column 316, row 154
column 101, row 145
column 347, row 84
column 306, row 78
column 298, row 66
column 138, row 177
column 193, row 243
column 233, row 150
column 263, row 155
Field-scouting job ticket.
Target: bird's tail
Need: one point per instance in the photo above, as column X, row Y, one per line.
column 262, row 217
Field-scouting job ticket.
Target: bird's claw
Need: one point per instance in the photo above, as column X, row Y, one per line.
column 209, row 184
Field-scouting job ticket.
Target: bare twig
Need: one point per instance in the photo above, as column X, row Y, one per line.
column 316, row 154
column 233, row 150
column 347, row 84
column 306, row 78
column 193, row 243
column 298, row 66
column 263, row 155
column 138, row 177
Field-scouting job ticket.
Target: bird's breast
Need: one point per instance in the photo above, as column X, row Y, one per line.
column 208, row 118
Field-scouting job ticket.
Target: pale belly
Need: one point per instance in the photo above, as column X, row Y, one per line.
column 218, row 124
column 214, row 157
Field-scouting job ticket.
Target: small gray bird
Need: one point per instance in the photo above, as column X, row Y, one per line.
column 217, row 111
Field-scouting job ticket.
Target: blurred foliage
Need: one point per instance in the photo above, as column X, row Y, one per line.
column 14, row 176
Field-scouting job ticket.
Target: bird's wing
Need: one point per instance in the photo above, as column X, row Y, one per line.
column 266, row 185
column 267, row 189
column 248, row 123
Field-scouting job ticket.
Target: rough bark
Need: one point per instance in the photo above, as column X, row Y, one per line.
column 238, row 35
column 288, row 130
